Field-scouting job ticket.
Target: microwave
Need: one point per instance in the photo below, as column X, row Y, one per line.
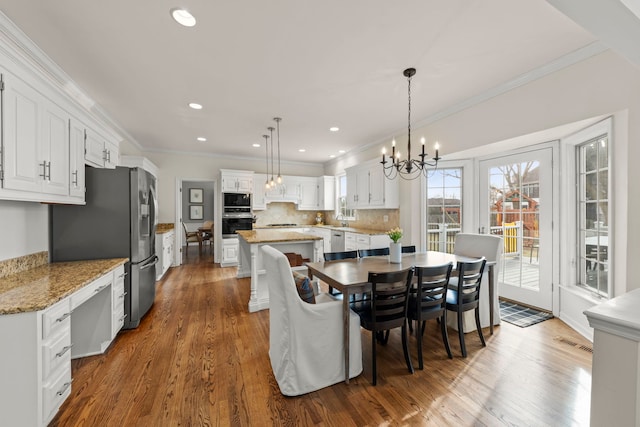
column 236, row 200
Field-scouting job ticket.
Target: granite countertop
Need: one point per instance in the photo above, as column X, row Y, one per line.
column 330, row 227
column 40, row 287
column 354, row 229
column 164, row 227
column 273, row 236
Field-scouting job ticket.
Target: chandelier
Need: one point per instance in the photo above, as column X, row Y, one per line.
column 407, row 168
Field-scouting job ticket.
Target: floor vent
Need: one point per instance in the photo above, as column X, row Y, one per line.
column 573, row 344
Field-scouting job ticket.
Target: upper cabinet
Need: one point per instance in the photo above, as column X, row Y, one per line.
column 258, row 200
column 76, row 159
column 367, row 188
column 36, row 146
column 42, row 152
column 99, row 151
column 236, row 181
column 308, row 193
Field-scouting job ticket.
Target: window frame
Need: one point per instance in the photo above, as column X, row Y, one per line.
column 342, row 212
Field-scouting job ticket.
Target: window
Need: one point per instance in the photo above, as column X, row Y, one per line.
column 593, row 215
column 341, row 203
column 444, row 208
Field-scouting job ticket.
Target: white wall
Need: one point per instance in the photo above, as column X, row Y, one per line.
column 24, row 229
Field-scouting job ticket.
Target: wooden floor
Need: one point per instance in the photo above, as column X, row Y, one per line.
column 200, row 359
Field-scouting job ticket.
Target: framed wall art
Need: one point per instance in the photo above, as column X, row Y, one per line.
column 195, row 212
column 195, row 195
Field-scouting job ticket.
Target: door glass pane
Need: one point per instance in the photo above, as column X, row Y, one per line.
column 514, row 215
column 444, row 208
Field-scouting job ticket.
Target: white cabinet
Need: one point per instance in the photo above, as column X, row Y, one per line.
column 100, row 151
column 76, row 159
column 165, row 244
column 287, row 191
column 35, row 364
column 258, row 199
column 35, row 140
column 229, row 252
column 309, row 190
column 56, row 358
column 325, row 233
column 236, row 181
column 327, row 185
column 367, row 188
column 117, row 301
column 356, row 241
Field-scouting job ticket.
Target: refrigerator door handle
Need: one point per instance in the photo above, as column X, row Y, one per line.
column 153, row 261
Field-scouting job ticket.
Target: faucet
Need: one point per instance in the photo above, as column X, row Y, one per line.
column 343, row 223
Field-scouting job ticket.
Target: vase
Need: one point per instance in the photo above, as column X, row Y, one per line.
column 395, row 253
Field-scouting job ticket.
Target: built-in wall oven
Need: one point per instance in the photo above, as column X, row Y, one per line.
column 236, row 213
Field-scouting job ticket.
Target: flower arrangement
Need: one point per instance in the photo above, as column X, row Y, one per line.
column 395, row 234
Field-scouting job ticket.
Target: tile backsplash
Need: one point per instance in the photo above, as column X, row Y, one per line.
column 286, row 213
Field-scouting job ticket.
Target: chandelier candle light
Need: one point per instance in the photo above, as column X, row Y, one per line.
column 408, row 168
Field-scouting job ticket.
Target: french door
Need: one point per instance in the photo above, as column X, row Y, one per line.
column 516, row 202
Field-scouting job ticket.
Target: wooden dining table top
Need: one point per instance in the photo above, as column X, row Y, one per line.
column 355, row 271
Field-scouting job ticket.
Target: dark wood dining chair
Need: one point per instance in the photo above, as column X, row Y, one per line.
column 386, row 310
column 427, row 300
column 463, row 295
column 373, row 252
column 409, row 249
column 335, row 256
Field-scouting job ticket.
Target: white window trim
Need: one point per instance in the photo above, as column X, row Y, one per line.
column 569, row 232
column 337, row 210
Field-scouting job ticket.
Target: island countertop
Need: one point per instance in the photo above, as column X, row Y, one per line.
column 273, row 236
column 40, row 287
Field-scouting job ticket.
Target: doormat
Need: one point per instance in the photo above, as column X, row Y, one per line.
column 522, row 316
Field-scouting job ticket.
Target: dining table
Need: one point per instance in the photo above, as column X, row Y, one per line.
column 350, row 276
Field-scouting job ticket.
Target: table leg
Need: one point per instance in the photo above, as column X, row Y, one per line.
column 346, row 321
column 491, row 293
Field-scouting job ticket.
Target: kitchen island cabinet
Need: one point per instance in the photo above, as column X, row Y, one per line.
column 49, row 315
column 251, row 264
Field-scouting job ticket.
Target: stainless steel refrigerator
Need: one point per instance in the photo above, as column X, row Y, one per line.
column 118, row 221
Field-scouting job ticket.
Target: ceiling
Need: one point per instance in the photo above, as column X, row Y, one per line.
column 315, row 64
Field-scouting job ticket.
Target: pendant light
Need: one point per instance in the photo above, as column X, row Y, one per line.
column 277, row 120
column 266, row 146
column 272, row 183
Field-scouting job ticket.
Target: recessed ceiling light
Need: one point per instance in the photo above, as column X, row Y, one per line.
column 183, row 17
column 334, row 129
column 341, row 151
column 256, row 145
column 195, row 106
column 302, row 150
column 202, row 139
column 332, row 155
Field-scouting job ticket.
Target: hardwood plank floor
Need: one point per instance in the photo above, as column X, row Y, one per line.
column 199, row 358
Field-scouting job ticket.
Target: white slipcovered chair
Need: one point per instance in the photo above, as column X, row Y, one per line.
column 306, row 344
column 490, row 247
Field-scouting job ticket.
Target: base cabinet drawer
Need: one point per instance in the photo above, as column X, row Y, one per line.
column 55, row 354
column 54, row 393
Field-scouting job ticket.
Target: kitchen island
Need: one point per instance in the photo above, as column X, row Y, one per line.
column 308, row 246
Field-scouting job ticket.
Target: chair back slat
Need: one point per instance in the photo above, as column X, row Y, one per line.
column 430, row 292
column 469, row 280
column 362, row 253
column 333, row 256
column 390, row 297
